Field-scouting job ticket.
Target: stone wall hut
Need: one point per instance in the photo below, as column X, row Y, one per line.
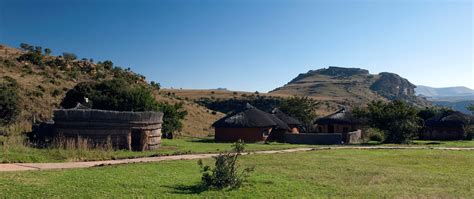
column 293, row 123
column 341, row 121
column 123, row 130
column 450, row 125
column 248, row 124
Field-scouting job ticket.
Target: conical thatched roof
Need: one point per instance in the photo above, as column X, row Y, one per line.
column 285, row 118
column 450, row 118
column 340, row 117
column 281, row 125
column 247, row 117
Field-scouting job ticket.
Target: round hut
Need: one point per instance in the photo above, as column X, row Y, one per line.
column 248, row 124
column 449, row 125
column 123, row 130
column 341, row 121
column 293, row 123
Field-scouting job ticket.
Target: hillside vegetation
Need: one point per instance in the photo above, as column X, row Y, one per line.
column 41, row 80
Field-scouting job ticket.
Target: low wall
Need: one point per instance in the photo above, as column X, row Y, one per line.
column 125, row 130
column 354, row 137
column 313, row 138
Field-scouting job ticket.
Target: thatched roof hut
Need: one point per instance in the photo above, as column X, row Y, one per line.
column 249, row 124
column 246, row 117
column 342, row 116
column 285, row 118
column 448, row 125
column 450, row 119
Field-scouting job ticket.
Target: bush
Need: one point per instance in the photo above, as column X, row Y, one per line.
column 9, row 102
column 120, row 95
column 32, row 57
column 374, row 134
column 225, row 174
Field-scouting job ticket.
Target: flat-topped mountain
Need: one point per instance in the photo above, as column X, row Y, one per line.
column 353, row 85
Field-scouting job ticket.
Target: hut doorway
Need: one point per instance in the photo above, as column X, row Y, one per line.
column 330, row 128
column 137, row 140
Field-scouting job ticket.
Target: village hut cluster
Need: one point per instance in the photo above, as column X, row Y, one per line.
column 253, row 125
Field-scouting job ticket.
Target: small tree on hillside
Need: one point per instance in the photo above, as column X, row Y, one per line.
column 69, row 57
column 398, row 120
column 301, row 108
column 47, row 51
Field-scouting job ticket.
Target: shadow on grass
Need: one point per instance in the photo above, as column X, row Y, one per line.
column 203, row 140
column 188, row 189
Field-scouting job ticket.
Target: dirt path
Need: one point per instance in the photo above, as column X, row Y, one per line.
column 73, row 165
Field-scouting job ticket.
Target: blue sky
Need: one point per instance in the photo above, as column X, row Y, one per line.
column 253, row 45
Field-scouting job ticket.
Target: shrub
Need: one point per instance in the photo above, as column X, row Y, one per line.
column 226, row 173
column 69, row 56
column 32, row 57
column 9, row 102
column 374, row 134
column 55, row 92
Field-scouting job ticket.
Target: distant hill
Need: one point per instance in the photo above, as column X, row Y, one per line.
column 457, row 98
column 430, row 92
column 354, row 86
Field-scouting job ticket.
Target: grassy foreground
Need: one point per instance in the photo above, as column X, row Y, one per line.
column 326, row 173
column 18, row 152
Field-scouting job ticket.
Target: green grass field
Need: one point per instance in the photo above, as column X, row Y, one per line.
column 18, row 152
column 322, row 173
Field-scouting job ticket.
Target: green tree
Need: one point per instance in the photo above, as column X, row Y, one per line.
column 123, row 95
column 47, row 51
column 301, row 108
column 398, row 120
column 471, row 108
column 32, row 57
column 9, row 101
column 26, row 47
column 69, row 57
column 107, row 64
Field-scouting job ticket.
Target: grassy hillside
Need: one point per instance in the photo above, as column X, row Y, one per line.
column 351, row 86
column 43, row 85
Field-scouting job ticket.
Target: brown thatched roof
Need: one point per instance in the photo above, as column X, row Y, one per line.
column 285, row 118
column 246, row 117
column 450, row 118
column 342, row 116
column 281, row 125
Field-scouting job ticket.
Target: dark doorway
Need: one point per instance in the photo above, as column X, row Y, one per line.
column 345, row 130
column 136, row 140
column 330, row 128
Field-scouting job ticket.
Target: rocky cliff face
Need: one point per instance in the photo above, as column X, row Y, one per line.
column 392, row 86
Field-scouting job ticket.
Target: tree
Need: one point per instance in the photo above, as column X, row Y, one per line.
column 301, row 108
column 122, row 95
column 107, row 64
column 398, row 120
column 9, row 101
column 26, row 47
column 155, row 85
column 32, row 57
column 69, row 56
column 38, row 49
column 47, row 51
column 471, row 108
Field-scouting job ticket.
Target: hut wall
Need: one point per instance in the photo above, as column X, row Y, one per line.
column 245, row 134
column 313, row 138
column 338, row 128
column 124, row 130
column 443, row 133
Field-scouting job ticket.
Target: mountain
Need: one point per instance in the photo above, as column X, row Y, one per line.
column 452, row 94
column 351, row 86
